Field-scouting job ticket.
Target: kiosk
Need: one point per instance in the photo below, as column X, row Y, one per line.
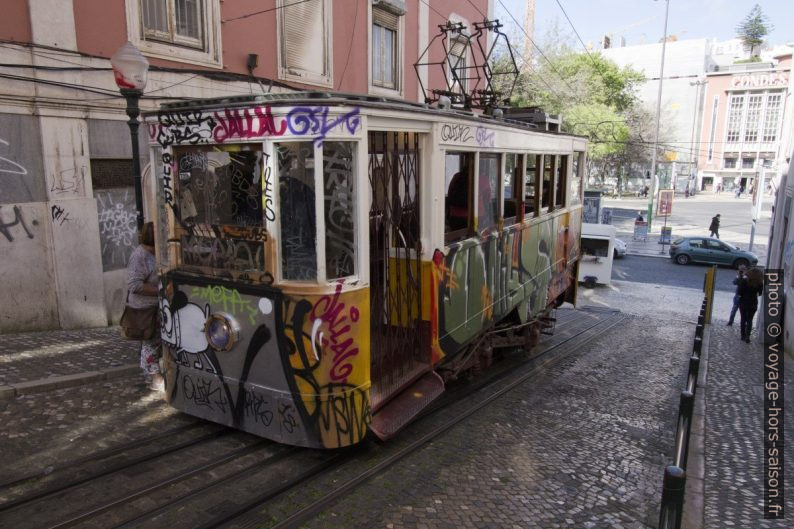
column 598, row 242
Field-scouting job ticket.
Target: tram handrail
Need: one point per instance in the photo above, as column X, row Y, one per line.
column 674, row 485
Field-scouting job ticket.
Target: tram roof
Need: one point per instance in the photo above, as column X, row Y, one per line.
column 340, row 98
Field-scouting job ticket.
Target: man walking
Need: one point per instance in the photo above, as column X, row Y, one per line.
column 715, row 226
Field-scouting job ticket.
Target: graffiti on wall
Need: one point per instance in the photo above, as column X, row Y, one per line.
column 14, row 217
column 21, row 161
column 117, row 226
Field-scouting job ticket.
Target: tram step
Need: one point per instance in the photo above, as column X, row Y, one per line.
column 404, row 407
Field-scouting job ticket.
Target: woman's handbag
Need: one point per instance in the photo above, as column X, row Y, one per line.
column 139, row 324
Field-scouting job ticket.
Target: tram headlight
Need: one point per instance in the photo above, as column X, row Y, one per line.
column 222, row 331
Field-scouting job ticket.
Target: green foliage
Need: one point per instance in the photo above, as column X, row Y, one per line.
column 745, row 61
column 606, row 130
column 753, row 29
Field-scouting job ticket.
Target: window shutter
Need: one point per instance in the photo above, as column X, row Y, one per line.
column 386, row 19
column 303, row 45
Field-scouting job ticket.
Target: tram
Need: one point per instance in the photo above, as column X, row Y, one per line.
column 328, row 262
column 781, row 253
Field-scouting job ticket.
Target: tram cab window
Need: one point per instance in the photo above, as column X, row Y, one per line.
column 458, row 196
column 560, row 181
column 295, row 174
column 511, row 181
column 219, row 208
column 488, row 192
column 548, row 173
column 532, row 183
column 576, row 179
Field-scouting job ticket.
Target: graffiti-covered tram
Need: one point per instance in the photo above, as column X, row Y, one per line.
column 327, row 262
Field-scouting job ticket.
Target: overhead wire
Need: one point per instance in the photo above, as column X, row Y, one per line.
column 265, row 11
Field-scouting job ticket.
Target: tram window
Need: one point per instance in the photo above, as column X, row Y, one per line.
column 548, row 171
column 295, row 168
column 512, row 181
column 457, row 201
column 488, row 192
column 576, row 179
column 220, row 187
column 339, row 184
column 531, row 183
column 560, row 181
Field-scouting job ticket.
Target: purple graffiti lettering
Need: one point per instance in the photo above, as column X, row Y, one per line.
column 303, row 121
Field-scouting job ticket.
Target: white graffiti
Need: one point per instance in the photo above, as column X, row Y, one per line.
column 184, row 328
column 117, row 227
column 10, row 166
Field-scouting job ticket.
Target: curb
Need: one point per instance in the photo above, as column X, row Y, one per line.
column 43, row 385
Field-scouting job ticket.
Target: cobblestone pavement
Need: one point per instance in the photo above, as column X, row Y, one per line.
column 44, row 430
column 734, row 434
column 36, row 355
column 583, row 444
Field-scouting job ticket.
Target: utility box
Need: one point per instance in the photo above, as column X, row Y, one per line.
column 598, row 248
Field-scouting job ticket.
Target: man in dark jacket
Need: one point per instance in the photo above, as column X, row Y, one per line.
column 715, row 226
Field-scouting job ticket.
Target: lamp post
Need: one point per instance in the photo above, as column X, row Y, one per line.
column 658, row 116
column 130, row 68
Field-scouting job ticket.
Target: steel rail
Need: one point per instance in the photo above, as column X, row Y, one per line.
column 311, row 510
column 304, row 514
column 24, row 499
column 100, row 454
column 147, row 489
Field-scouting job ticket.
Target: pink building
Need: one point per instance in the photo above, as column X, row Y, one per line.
column 67, row 210
column 746, row 124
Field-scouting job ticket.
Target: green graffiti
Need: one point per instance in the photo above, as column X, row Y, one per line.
column 229, row 299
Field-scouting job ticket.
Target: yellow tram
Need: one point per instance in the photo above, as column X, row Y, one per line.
column 328, row 261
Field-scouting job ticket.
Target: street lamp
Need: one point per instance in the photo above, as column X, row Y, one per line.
column 658, row 116
column 130, row 68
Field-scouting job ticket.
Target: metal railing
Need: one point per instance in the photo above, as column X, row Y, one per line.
column 674, row 486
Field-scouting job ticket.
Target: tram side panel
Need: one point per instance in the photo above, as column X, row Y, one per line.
column 481, row 281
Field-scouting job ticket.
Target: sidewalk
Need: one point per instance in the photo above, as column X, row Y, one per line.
column 34, row 362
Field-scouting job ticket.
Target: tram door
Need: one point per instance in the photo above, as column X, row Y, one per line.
column 397, row 334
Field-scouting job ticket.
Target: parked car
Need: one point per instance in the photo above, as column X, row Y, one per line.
column 710, row 250
column 620, row 249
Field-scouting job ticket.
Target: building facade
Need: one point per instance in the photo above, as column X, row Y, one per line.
column 67, row 206
column 747, row 123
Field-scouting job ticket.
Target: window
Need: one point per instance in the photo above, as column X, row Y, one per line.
column 577, row 161
column 511, row 180
column 304, row 41
column 548, row 172
column 178, row 30
column 713, row 128
column 753, row 118
column 488, row 193
column 219, row 207
column 385, row 49
column 748, row 163
column 729, row 163
column 696, row 243
column 561, row 181
column 457, row 201
column 735, row 112
column 339, row 184
column 456, row 67
column 532, row 183
column 595, row 247
column 772, row 118
column 175, row 21
column 295, row 174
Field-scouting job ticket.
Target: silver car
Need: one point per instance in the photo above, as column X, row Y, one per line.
column 620, row 249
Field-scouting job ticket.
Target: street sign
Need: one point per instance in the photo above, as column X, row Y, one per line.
column 665, row 206
column 667, row 235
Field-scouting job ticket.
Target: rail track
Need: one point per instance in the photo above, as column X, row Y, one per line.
column 202, row 475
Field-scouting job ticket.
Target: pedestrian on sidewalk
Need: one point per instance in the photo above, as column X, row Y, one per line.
column 714, row 227
column 639, row 217
column 142, row 291
column 749, row 288
column 736, row 297
column 738, row 192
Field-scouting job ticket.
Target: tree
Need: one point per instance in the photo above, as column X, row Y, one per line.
column 753, row 29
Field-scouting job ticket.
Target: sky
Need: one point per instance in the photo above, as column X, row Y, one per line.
column 642, row 21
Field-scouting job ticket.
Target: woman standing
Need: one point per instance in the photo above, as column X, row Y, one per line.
column 748, row 290
column 142, row 293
